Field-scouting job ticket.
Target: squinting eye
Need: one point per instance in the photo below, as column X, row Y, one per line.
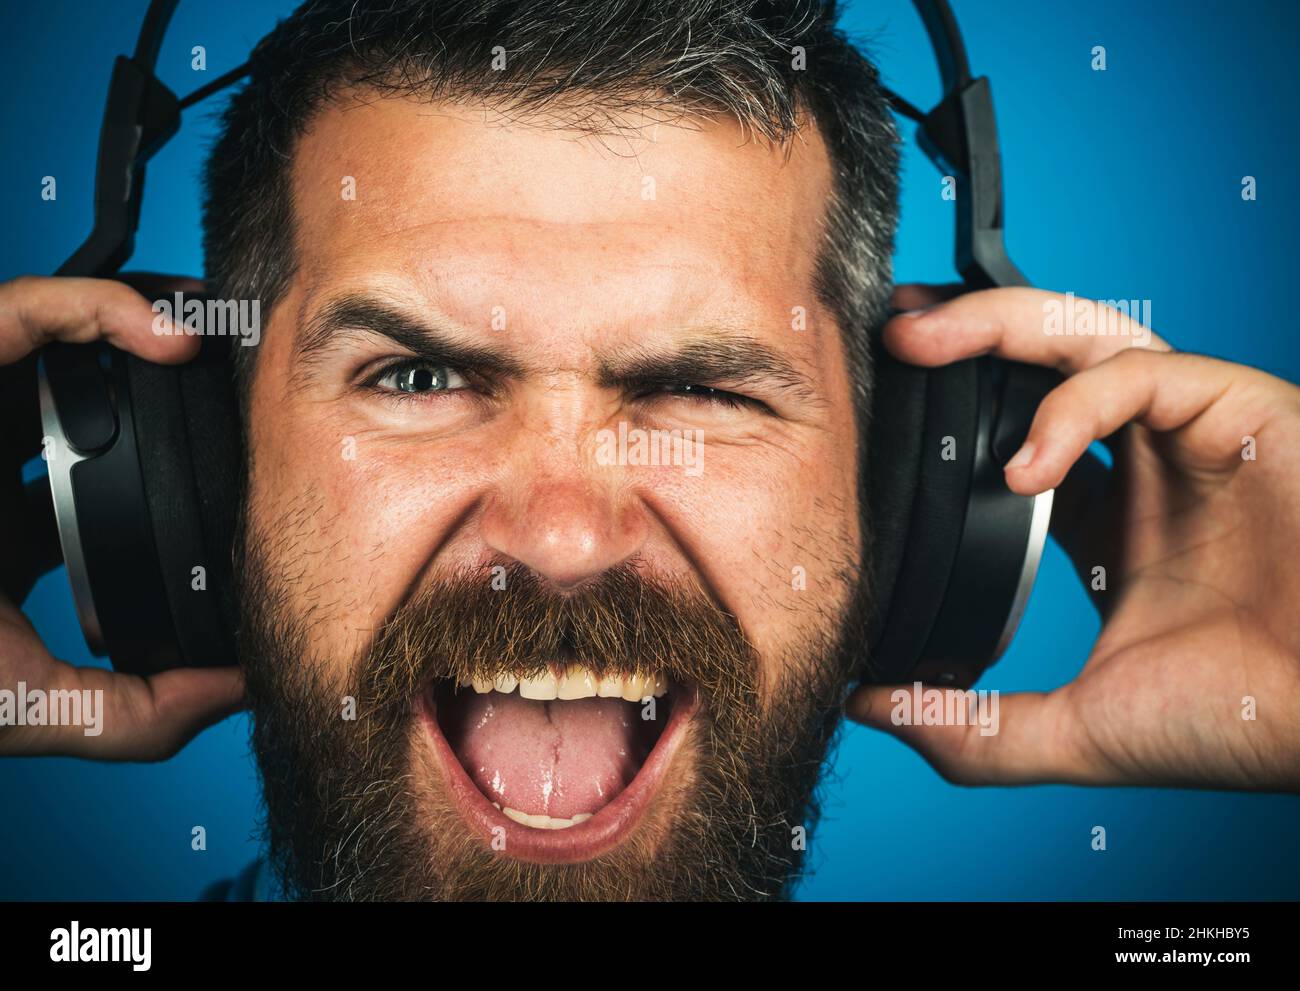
column 709, row 394
column 419, row 378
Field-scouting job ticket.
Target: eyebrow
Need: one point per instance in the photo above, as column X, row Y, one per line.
column 711, row 355
column 723, row 357
column 368, row 314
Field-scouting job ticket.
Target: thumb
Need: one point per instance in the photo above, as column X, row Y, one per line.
column 975, row 737
column 149, row 719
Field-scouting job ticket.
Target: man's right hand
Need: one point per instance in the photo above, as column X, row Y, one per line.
column 141, row 718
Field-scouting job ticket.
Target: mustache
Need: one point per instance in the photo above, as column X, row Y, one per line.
column 478, row 623
column 347, row 818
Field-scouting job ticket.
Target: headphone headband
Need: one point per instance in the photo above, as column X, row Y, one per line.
column 142, row 114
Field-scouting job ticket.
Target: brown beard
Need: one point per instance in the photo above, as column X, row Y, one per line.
column 353, row 811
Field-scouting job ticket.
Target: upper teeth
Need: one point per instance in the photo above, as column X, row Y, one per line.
column 574, row 683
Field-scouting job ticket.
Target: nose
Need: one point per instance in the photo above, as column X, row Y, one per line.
column 567, row 530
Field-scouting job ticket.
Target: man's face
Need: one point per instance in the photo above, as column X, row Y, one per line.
column 483, row 499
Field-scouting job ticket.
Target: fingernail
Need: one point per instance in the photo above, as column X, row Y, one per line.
column 916, row 313
column 1023, row 456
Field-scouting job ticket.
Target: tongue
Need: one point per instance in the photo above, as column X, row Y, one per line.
column 559, row 759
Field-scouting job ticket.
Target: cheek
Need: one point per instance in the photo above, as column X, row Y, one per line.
column 352, row 521
column 777, row 539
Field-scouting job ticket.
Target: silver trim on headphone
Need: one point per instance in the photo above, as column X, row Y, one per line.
column 58, row 466
column 1039, row 519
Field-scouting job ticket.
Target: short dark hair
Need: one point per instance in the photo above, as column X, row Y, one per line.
column 769, row 64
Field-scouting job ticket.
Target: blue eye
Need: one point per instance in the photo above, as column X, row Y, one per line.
column 419, row 378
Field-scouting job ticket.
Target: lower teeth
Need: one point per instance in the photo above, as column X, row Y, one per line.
column 543, row 822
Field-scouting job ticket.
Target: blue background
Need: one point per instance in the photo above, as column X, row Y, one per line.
column 1120, row 184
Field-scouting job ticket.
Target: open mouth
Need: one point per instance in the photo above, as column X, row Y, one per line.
column 560, row 766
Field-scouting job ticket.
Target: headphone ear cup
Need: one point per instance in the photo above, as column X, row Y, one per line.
column 918, row 500
column 188, row 438
column 892, row 473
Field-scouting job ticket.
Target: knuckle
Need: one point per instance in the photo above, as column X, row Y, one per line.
column 1137, row 357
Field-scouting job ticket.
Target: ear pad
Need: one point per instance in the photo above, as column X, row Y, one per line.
column 188, row 440
column 145, row 474
column 954, row 551
column 918, row 502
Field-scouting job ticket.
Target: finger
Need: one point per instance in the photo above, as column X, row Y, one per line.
column 1212, row 403
column 36, row 310
column 1020, row 325
column 126, row 717
column 184, row 702
column 1026, row 742
column 918, row 296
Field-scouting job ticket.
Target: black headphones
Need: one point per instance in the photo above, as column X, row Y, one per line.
column 145, row 462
